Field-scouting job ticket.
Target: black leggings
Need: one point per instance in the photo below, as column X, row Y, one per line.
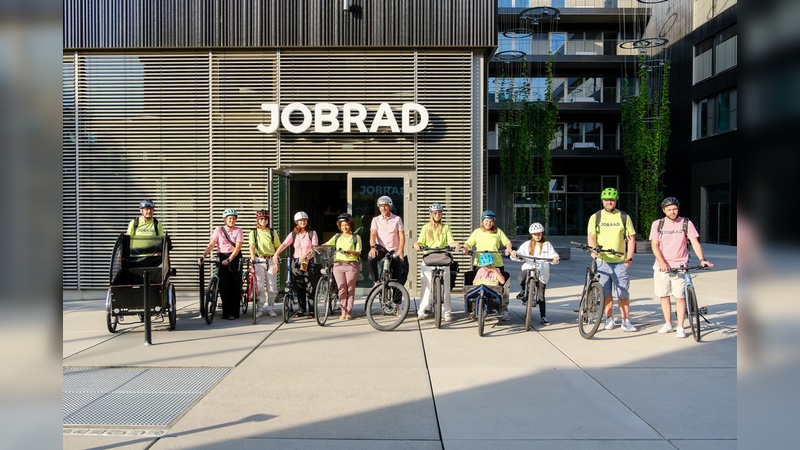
column 230, row 285
column 540, row 287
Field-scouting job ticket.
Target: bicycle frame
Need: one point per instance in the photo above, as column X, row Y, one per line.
column 209, row 306
column 592, row 302
column 693, row 311
column 532, row 287
column 384, row 311
column 437, row 284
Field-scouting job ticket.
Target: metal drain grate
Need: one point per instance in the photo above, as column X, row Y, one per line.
column 133, row 396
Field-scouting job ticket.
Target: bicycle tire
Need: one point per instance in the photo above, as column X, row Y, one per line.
column 382, row 311
column 211, row 301
column 111, row 320
column 252, row 297
column 249, row 286
column 693, row 312
column 173, row 306
column 590, row 311
column 530, row 290
column 480, row 311
column 322, row 301
column 287, row 306
column 438, row 293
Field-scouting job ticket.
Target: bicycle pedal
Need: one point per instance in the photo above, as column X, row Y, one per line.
column 703, row 310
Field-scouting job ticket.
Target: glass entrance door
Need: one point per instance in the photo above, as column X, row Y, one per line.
column 279, row 210
column 363, row 194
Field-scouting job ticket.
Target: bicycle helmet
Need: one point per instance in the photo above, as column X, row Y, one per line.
column 488, row 214
column 485, row 259
column 344, row 217
column 609, row 193
column 146, row 204
column 230, row 212
column 262, row 213
column 300, row 215
column 670, row 201
column 435, row 207
column 536, row 227
column 385, row 200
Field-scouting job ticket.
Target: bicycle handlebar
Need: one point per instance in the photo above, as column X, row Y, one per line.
column 435, row 249
column 389, row 253
column 598, row 249
column 686, row 269
column 531, row 258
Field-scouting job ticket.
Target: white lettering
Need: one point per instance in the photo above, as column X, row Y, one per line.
column 287, row 114
column 325, row 118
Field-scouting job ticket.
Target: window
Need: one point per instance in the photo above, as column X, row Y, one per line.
column 558, row 43
column 716, row 114
column 716, row 54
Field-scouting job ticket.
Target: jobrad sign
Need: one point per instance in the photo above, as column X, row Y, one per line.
column 325, row 118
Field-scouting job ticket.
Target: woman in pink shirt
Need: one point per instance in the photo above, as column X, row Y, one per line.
column 305, row 274
column 228, row 240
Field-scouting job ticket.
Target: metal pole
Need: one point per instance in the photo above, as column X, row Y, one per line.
column 147, row 337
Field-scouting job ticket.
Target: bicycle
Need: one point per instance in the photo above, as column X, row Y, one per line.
column 531, row 286
column 693, row 312
column 487, row 299
column 438, row 259
column 252, row 290
column 209, row 306
column 327, row 292
column 592, row 303
column 385, row 311
column 288, row 296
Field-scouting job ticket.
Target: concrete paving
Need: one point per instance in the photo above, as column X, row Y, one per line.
column 346, row 385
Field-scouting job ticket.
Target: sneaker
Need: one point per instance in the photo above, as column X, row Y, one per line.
column 680, row 333
column 545, row 321
column 422, row 316
column 666, row 328
column 627, row 326
column 472, row 315
column 521, row 295
column 271, row 313
column 448, row 319
column 506, row 315
column 260, row 313
column 610, row 323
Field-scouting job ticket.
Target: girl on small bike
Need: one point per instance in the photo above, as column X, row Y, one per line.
column 489, row 275
column 345, row 265
column 539, row 247
column 435, row 234
column 304, row 273
column 228, row 240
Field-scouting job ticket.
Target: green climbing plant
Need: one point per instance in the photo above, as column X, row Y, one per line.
column 645, row 137
column 527, row 129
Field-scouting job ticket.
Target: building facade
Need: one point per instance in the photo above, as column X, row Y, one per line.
column 314, row 105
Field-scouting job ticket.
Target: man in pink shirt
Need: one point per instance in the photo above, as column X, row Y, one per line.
column 387, row 230
column 668, row 238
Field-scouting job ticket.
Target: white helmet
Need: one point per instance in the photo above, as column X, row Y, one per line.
column 300, row 215
column 385, row 200
column 536, row 227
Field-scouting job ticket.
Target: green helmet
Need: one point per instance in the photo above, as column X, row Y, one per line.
column 609, row 193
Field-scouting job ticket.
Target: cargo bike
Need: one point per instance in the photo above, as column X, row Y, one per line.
column 133, row 258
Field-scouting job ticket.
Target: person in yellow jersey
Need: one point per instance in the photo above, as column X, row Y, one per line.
column 263, row 241
column 613, row 230
column 435, row 234
column 488, row 237
column 145, row 226
column 345, row 262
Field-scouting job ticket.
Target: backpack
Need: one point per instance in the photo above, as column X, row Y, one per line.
column 685, row 229
column 255, row 236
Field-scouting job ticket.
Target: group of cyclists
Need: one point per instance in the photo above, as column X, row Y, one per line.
column 609, row 228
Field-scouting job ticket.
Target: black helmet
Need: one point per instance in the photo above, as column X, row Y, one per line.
column 146, row 204
column 670, row 201
column 344, row 217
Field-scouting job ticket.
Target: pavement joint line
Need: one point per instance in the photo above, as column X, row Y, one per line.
column 428, row 371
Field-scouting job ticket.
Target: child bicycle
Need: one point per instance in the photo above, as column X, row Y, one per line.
column 692, row 310
column 438, row 259
column 327, row 293
column 532, row 296
column 388, row 302
column 592, row 303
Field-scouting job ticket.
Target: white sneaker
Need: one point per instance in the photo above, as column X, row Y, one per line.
column 271, row 313
column 627, row 326
column 506, row 316
column 680, row 332
column 666, row 328
column 610, row 323
column 422, row 316
column 260, row 313
column 448, row 318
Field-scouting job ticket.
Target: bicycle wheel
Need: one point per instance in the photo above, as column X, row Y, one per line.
column 211, row 301
column 693, row 312
column 334, row 296
column 438, row 295
column 173, row 310
column 530, row 291
column 111, row 320
column 252, row 297
column 251, row 284
column 286, row 299
column 480, row 313
column 322, row 301
column 590, row 311
column 382, row 311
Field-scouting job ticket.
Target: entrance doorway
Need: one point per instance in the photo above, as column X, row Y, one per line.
column 717, row 200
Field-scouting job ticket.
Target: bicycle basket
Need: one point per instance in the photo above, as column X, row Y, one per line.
column 324, row 256
column 437, row 259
